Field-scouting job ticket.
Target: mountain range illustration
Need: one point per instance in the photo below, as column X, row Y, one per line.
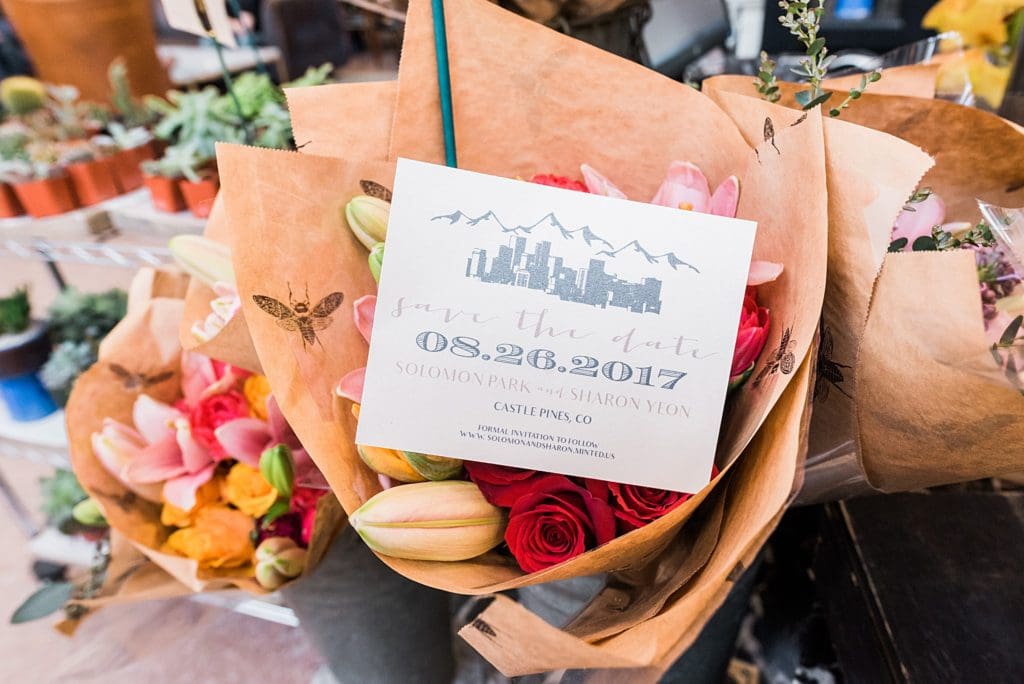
column 550, row 221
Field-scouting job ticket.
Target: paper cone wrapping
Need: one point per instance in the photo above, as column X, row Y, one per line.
column 920, row 402
column 349, row 120
column 145, row 344
column 232, row 344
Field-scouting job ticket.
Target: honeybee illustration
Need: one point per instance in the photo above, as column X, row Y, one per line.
column 830, row 373
column 298, row 315
column 134, row 381
column 374, row 189
column 782, row 359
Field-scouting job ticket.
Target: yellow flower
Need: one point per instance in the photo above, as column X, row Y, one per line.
column 980, row 22
column 256, row 390
column 209, row 493
column 219, row 538
column 248, row 491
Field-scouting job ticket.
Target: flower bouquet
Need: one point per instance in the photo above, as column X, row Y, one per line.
column 564, row 105
column 191, row 460
column 884, row 390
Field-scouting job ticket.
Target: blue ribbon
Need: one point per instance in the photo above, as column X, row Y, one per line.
column 444, row 82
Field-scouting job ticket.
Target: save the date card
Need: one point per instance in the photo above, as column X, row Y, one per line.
column 554, row 330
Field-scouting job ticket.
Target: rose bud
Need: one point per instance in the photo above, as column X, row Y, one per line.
column 278, row 559
column 89, row 513
column 268, row 577
column 278, row 468
column 437, row 521
column 270, row 547
column 203, row 259
column 368, row 219
column 376, row 260
column 291, row 562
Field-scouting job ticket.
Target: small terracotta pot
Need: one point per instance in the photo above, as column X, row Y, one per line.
column 199, row 196
column 9, row 204
column 47, row 197
column 165, row 193
column 94, row 181
column 126, row 166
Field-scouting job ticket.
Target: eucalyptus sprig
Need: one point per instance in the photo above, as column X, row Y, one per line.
column 943, row 241
column 803, row 20
column 766, row 82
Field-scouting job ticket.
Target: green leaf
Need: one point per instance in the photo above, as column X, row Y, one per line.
column 803, row 97
column 1010, row 334
column 875, row 76
column 925, row 244
column 276, row 510
column 815, row 47
column 898, row 244
column 834, row 112
column 47, row 600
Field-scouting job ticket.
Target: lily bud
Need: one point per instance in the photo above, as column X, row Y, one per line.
column 433, row 467
column 291, row 562
column 203, row 259
column 268, row 576
column 278, row 560
column 88, row 513
column 389, row 462
column 437, row 521
column 368, row 219
column 277, row 466
column 376, row 260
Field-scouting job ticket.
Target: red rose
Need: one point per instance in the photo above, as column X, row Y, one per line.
column 636, row 506
column 557, row 520
column 558, row 182
column 751, row 338
column 501, row 485
column 304, row 500
column 212, row 412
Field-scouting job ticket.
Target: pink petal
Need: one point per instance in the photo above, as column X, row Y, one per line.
column 244, row 439
column 598, row 184
column 153, row 418
column 351, row 386
column 684, row 187
column 726, row 199
column 277, row 424
column 762, row 272
column 193, row 454
column 197, row 375
column 364, row 308
column 926, row 214
column 157, row 462
column 181, row 491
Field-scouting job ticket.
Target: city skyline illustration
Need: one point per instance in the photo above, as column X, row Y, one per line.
column 541, row 271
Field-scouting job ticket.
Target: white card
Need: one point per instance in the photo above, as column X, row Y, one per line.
column 184, row 16
column 549, row 329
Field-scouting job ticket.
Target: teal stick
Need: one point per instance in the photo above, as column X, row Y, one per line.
column 444, row 82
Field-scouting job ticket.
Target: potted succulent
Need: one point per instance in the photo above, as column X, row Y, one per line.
column 199, row 185
column 91, row 173
column 128, row 147
column 24, row 348
column 161, row 176
column 12, row 163
column 41, row 185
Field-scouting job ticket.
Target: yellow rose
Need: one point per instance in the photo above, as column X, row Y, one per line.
column 207, row 494
column 219, row 538
column 256, row 390
column 248, row 491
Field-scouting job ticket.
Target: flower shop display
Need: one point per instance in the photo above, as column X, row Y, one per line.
column 24, row 348
column 191, row 460
column 520, row 139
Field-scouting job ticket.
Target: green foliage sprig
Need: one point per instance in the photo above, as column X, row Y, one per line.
column 766, row 82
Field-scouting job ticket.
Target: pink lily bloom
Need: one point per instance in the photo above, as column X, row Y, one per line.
column 351, row 386
column 201, row 377
column 245, row 440
column 686, row 187
column 117, row 445
column 172, row 455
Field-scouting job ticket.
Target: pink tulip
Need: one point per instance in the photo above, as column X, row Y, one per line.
column 598, row 184
column 750, row 339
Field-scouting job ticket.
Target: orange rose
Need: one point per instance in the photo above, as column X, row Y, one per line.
column 219, row 538
column 245, row 488
column 256, row 390
column 209, row 493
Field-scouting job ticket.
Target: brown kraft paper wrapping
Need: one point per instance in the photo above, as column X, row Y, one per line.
column 232, row 344
column 898, row 430
column 349, row 120
column 759, row 488
column 144, row 346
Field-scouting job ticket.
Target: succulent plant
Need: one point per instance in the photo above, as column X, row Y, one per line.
column 22, row 94
column 15, row 312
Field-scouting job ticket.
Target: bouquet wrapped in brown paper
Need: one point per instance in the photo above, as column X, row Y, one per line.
column 909, row 394
column 528, row 101
column 190, row 459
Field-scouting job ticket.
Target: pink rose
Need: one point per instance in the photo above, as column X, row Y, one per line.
column 213, row 411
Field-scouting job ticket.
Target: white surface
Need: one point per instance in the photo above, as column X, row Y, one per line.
column 47, row 433
column 547, row 411
column 198, row 63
